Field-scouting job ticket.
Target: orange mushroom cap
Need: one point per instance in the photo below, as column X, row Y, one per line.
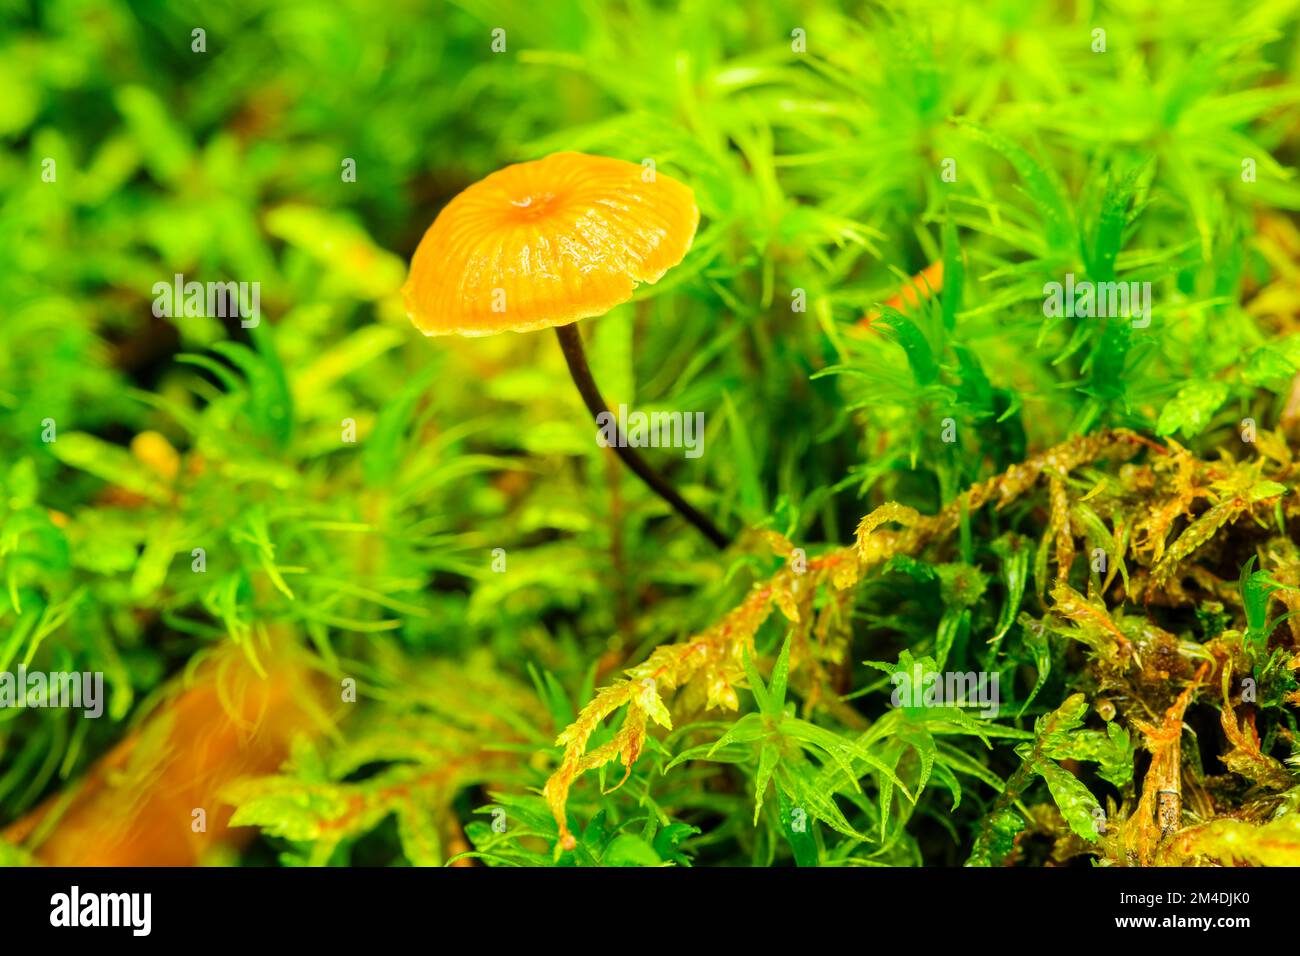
column 547, row 243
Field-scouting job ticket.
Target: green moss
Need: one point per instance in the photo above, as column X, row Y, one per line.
column 434, row 521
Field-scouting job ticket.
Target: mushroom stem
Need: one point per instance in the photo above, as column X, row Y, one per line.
column 576, row 357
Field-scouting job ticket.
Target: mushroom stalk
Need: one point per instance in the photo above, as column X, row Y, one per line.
column 576, row 357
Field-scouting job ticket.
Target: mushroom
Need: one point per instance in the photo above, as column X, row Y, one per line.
column 543, row 244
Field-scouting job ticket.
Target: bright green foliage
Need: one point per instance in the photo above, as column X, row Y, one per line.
column 434, row 520
column 407, row 761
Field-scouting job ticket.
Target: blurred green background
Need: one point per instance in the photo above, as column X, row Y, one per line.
column 816, row 167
